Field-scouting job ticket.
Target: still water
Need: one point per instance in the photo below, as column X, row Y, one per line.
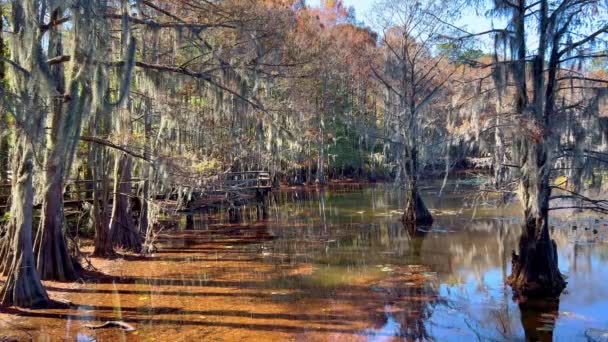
column 336, row 264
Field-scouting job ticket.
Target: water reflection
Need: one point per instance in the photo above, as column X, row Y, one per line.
column 469, row 250
column 336, row 265
column 538, row 318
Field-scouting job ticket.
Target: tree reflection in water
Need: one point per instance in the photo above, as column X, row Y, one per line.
column 538, row 318
column 337, row 265
column 408, row 298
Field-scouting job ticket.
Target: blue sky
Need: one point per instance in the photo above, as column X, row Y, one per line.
column 472, row 22
column 362, row 7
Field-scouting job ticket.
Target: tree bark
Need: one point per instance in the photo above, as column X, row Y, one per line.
column 5, row 233
column 103, row 241
column 535, row 270
column 23, row 286
column 124, row 233
column 53, row 259
column 416, row 213
column 4, row 147
column 3, row 117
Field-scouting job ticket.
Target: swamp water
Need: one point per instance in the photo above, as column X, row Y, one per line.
column 335, row 264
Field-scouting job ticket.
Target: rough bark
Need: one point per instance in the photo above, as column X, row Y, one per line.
column 103, row 241
column 124, row 233
column 3, row 117
column 4, row 147
column 416, row 212
column 5, row 234
column 6, row 248
column 23, row 286
column 53, row 259
column 144, row 197
column 535, row 270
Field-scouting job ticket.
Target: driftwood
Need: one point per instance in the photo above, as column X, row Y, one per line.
column 112, row 324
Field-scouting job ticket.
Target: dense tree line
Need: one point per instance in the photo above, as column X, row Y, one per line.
column 141, row 98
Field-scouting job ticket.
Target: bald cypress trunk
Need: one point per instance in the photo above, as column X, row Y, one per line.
column 5, row 234
column 4, row 147
column 3, row 118
column 23, row 286
column 416, row 213
column 100, row 209
column 535, row 270
column 53, row 259
column 125, row 233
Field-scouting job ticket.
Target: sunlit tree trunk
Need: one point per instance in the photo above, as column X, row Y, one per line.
column 5, row 234
column 535, row 268
column 100, row 208
column 23, row 286
column 124, row 233
column 4, row 147
column 53, row 259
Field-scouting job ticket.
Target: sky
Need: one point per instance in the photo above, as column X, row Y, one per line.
column 472, row 22
column 362, row 7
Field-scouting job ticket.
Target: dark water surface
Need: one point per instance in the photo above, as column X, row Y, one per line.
column 336, row 264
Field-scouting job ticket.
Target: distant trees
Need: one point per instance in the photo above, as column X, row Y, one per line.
column 413, row 76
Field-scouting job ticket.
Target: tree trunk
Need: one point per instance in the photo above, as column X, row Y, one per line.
column 535, row 270
column 53, row 259
column 3, row 117
column 23, row 286
column 5, row 232
column 124, row 233
column 321, row 161
column 103, row 241
column 416, row 212
column 4, row 148
column 6, row 248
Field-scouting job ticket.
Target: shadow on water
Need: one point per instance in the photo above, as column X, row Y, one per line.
column 333, row 264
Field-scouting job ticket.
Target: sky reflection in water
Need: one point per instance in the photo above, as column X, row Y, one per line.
column 472, row 258
column 335, row 265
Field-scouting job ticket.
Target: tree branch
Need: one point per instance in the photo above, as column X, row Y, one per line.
column 107, row 143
